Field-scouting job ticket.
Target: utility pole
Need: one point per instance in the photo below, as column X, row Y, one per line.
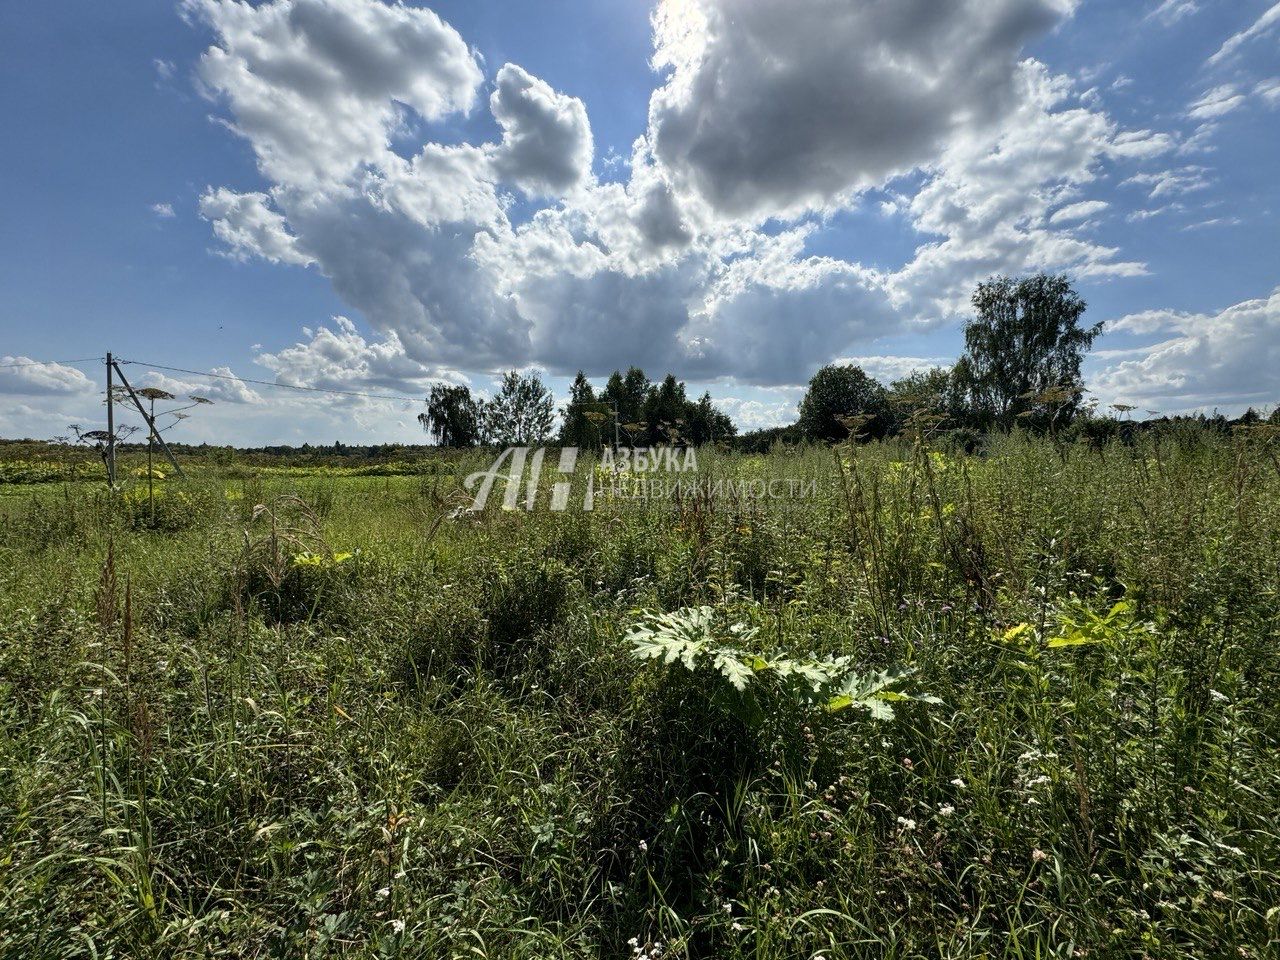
column 151, row 423
column 111, row 427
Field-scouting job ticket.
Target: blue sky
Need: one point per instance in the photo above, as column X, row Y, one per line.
column 734, row 190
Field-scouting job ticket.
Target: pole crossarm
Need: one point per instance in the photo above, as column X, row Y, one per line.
column 151, row 424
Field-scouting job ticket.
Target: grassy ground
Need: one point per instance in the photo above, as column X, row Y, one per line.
column 224, row 737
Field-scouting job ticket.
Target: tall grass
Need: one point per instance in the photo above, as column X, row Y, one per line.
column 441, row 744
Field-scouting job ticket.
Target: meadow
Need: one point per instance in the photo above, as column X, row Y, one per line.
column 1018, row 702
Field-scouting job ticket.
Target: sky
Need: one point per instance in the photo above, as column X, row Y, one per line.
column 375, row 197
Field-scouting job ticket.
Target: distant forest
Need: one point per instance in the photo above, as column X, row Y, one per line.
column 1021, row 368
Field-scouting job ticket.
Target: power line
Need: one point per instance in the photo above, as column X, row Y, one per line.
column 48, row 363
column 269, row 383
column 220, row 376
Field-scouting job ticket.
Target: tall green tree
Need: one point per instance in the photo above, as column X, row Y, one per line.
column 664, row 411
column 931, row 392
column 922, row 390
column 452, row 417
column 522, row 412
column 584, row 419
column 626, row 395
column 704, row 422
column 837, row 394
column 1023, row 351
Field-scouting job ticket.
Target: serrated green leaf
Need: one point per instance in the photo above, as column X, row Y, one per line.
column 1076, row 639
column 688, row 638
column 733, row 669
column 1015, row 633
column 879, row 709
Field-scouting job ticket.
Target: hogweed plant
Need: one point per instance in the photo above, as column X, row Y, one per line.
column 472, row 737
column 697, row 640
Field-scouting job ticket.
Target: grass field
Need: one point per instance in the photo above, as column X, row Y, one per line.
column 308, row 712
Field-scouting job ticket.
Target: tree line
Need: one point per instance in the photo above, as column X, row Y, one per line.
column 630, row 410
column 1024, row 347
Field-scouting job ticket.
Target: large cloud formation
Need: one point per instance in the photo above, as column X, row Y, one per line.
column 1203, row 361
column 22, row 375
column 779, row 107
column 314, row 84
column 769, row 117
column 546, row 139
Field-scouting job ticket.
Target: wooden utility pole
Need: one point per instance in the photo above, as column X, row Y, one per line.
column 111, row 427
column 151, row 423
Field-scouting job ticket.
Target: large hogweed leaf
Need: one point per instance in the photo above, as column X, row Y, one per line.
column 691, row 638
column 682, row 636
column 874, row 692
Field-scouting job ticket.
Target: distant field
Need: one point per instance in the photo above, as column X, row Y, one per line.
column 911, row 703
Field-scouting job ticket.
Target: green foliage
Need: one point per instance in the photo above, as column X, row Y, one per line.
column 690, row 638
column 225, row 737
column 523, row 597
column 931, row 392
column 452, row 417
column 704, row 422
column 584, row 419
column 839, row 395
column 520, row 414
column 656, row 414
column 1088, row 628
column 1080, row 627
column 664, row 411
column 626, row 394
column 41, row 471
column 1023, row 352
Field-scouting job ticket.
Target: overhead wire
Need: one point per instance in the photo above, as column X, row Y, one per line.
column 48, row 363
column 271, row 383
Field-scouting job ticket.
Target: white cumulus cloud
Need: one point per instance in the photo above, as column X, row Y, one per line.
column 546, row 144
column 1229, row 359
column 248, row 226
column 314, row 85
column 340, row 358
column 701, row 261
column 22, row 375
column 781, row 106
